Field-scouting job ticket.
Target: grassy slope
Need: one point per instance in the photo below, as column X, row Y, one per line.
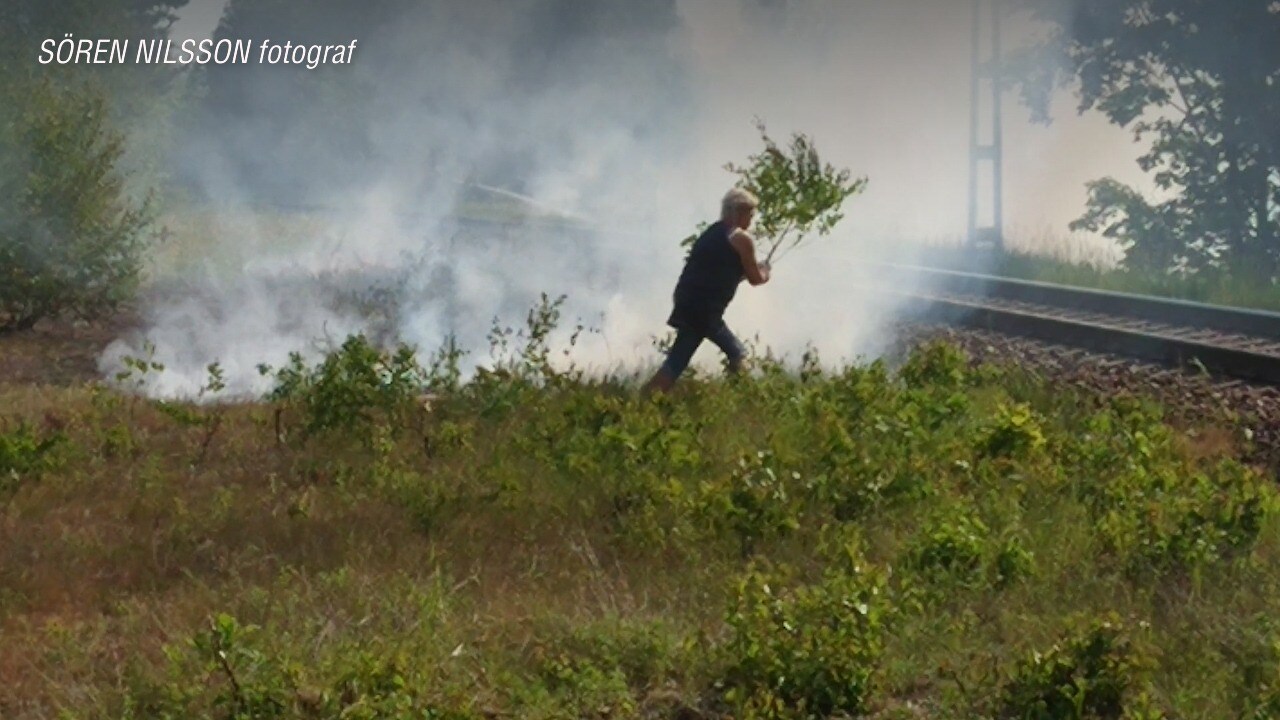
column 560, row 548
column 1233, row 288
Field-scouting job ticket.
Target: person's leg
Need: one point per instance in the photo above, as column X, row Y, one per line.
column 728, row 343
column 678, row 357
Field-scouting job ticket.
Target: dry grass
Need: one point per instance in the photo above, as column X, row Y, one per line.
column 57, row 352
column 1086, row 261
column 1073, row 248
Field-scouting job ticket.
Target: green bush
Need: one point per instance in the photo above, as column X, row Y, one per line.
column 355, row 390
column 24, row 455
column 1090, row 674
column 955, row 547
column 754, row 503
column 240, row 671
column 952, row 544
column 1249, row 653
column 71, row 241
column 1165, row 520
column 935, row 365
column 1013, row 562
column 1014, row 430
column 863, row 461
column 806, row 651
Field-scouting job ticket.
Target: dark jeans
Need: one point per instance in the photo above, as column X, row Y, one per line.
column 687, row 342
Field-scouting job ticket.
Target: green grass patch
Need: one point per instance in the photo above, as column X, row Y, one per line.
column 943, row 541
column 1230, row 285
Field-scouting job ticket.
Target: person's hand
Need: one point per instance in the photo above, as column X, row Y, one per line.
column 765, row 273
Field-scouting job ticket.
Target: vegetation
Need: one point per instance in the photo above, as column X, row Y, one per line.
column 386, row 537
column 71, row 239
column 25, row 24
column 1232, row 288
column 799, row 194
column 74, row 179
column 1201, row 81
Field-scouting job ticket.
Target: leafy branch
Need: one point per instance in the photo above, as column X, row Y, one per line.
column 799, row 194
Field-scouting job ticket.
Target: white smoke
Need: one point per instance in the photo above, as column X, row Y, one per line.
column 882, row 87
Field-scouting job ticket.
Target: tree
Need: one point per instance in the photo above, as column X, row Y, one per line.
column 70, row 240
column 71, row 236
column 25, row 24
column 141, row 99
column 1199, row 79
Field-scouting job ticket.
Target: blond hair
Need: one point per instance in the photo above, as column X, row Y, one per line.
column 735, row 200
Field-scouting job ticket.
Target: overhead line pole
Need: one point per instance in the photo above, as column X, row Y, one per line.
column 992, row 152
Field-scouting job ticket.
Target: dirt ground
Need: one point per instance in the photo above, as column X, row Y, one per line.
column 58, row 352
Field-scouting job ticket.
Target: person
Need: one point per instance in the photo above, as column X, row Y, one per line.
column 721, row 258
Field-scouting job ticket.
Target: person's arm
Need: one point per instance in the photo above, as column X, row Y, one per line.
column 757, row 273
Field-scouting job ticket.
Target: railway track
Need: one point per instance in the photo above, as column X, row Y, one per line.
column 1231, row 342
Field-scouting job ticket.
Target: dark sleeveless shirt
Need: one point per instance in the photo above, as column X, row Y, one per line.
column 707, row 284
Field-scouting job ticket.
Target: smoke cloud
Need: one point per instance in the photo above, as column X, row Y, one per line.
column 618, row 113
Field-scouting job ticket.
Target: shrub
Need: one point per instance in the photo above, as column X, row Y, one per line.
column 755, row 505
column 1015, row 430
column 1088, row 674
column 355, row 389
column 1162, row 520
column 935, row 365
column 1013, row 562
column 861, row 437
column 1154, row 510
column 253, row 685
column 241, row 671
column 807, row 651
column 953, row 544
column 24, row 455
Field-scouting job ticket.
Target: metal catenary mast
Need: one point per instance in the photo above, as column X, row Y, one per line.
column 992, row 151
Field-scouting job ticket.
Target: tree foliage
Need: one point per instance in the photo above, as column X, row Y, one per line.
column 25, row 24
column 1200, row 81
column 799, row 194
column 71, row 240
column 71, row 231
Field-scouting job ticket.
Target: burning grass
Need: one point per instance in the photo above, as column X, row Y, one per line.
column 942, row 541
